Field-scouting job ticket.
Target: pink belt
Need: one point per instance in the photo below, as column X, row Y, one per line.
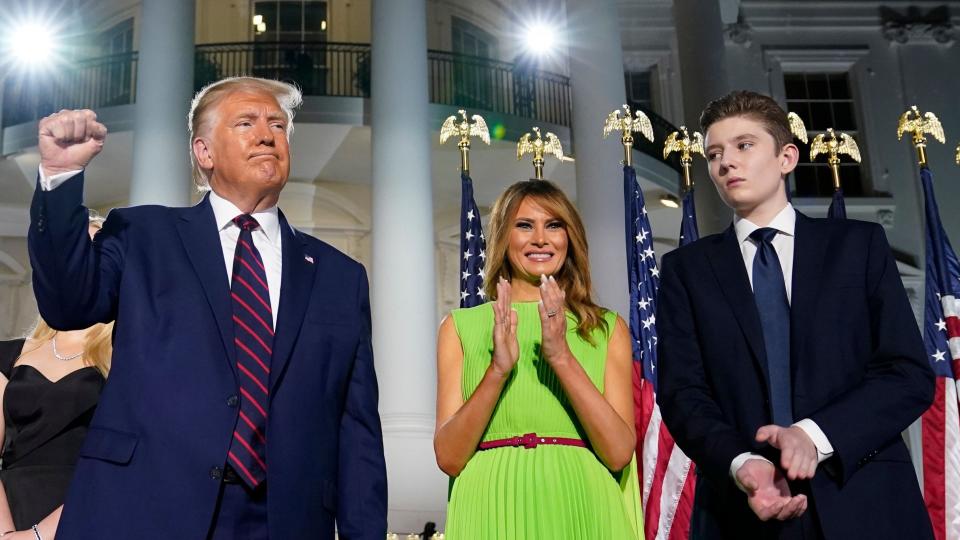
column 530, row 441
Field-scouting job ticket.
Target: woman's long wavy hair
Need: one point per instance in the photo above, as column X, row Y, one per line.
column 98, row 343
column 573, row 277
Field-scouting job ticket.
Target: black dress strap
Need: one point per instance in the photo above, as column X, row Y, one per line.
column 9, row 352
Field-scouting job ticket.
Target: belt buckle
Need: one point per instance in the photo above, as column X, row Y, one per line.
column 529, row 441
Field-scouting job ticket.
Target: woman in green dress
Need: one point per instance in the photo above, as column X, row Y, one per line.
column 535, row 397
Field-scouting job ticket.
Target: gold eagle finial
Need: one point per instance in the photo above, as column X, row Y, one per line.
column 627, row 125
column 681, row 141
column 797, row 127
column 464, row 129
column 833, row 144
column 912, row 121
column 539, row 147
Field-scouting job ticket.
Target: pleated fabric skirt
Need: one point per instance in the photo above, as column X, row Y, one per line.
column 548, row 493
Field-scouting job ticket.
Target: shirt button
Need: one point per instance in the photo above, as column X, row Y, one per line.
column 232, row 401
column 216, row 473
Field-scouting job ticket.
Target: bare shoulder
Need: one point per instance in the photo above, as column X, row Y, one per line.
column 448, row 330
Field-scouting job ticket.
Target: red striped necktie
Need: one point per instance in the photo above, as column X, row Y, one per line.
column 253, row 336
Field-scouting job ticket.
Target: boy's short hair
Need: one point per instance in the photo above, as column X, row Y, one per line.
column 752, row 105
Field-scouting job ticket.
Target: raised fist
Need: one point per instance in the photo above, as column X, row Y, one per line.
column 69, row 140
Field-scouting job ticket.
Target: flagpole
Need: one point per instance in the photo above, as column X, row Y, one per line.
column 686, row 160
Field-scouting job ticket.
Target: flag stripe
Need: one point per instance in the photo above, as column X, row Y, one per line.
column 952, row 462
column 674, row 481
column 933, row 425
column 684, row 508
column 656, row 509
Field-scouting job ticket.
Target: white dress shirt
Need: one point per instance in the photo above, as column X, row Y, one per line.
column 267, row 238
column 785, row 223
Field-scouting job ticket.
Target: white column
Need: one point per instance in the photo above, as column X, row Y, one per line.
column 703, row 74
column 403, row 276
column 161, row 159
column 596, row 78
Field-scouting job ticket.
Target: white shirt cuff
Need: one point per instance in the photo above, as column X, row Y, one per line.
column 739, row 461
column 824, row 448
column 53, row 182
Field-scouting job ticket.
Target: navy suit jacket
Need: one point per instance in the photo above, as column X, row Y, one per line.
column 149, row 467
column 858, row 366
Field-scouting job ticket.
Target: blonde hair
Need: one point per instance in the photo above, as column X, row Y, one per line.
column 97, row 343
column 573, row 277
column 204, row 105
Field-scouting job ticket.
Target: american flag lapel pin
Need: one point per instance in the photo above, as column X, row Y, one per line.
column 308, row 258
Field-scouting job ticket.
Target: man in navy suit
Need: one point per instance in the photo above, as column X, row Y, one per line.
column 242, row 402
column 790, row 360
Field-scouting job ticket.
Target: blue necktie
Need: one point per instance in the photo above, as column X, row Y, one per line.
column 770, row 295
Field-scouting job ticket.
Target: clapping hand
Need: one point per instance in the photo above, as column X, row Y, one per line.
column 768, row 494
column 553, row 322
column 798, row 453
column 68, row 140
column 506, row 349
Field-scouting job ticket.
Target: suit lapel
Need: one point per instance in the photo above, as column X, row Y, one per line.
column 299, row 268
column 201, row 240
column 727, row 264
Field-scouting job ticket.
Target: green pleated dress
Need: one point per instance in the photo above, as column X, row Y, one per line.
column 549, row 492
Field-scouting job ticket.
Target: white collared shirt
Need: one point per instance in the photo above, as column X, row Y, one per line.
column 267, row 238
column 785, row 222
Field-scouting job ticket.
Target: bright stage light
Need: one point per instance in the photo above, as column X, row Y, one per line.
column 31, row 44
column 540, row 39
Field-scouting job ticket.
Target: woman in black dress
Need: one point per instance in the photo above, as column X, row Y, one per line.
column 50, row 383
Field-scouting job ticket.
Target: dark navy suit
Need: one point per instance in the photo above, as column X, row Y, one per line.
column 151, row 464
column 858, row 369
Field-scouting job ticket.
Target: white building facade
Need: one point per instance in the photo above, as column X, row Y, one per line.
column 379, row 78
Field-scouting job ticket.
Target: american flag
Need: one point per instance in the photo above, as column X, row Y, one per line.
column 688, row 223
column 838, row 209
column 472, row 247
column 667, row 480
column 941, row 335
